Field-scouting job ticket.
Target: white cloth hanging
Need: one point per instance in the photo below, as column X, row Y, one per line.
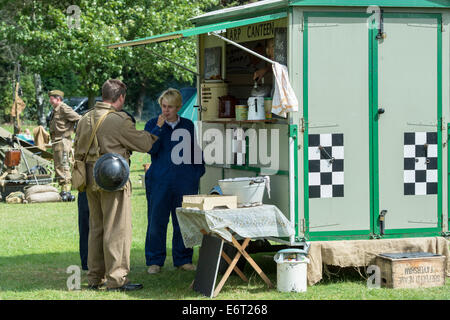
column 284, row 98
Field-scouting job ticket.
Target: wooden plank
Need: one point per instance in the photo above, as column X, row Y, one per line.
column 230, row 268
column 236, row 269
column 252, row 262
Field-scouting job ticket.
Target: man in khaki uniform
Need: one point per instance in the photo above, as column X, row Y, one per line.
column 62, row 125
column 109, row 241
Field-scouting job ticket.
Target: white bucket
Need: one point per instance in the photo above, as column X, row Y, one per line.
column 291, row 270
column 249, row 191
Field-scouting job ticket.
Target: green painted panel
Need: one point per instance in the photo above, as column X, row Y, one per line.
column 448, row 176
column 366, row 3
column 373, row 127
column 420, row 233
column 293, row 133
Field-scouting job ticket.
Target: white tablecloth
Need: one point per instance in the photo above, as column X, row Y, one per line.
column 253, row 222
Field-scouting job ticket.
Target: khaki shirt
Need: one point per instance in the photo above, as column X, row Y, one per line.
column 117, row 134
column 63, row 122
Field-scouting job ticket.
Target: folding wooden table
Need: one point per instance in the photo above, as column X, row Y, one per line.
column 194, row 224
column 233, row 264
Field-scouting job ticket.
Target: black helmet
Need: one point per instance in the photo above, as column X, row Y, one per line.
column 111, row 171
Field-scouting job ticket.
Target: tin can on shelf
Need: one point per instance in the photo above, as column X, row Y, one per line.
column 241, row 112
column 268, row 107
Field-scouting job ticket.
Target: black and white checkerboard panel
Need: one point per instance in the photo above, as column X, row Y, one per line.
column 420, row 175
column 238, row 146
column 326, row 165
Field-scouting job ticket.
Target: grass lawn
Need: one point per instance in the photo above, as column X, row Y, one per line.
column 38, row 242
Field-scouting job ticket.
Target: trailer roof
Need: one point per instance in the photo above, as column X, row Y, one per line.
column 380, row 3
column 268, row 5
column 269, row 10
column 250, row 9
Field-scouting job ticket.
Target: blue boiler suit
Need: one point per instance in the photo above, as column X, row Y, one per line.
column 166, row 182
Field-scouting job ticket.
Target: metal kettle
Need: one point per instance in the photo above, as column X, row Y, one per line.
column 260, row 91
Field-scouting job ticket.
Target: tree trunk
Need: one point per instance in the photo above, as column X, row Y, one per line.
column 140, row 104
column 91, row 99
column 39, row 100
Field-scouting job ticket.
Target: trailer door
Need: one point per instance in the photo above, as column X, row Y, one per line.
column 336, row 110
column 409, row 123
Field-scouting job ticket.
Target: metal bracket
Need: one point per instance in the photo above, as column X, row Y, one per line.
column 445, row 234
column 243, row 48
column 293, row 131
column 374, row 236
column 381, row 35
column 302, row 225
column 381, row 218
column 304, row 124
column 171, row 61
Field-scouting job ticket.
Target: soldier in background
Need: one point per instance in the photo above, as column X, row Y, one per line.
column 62, row 124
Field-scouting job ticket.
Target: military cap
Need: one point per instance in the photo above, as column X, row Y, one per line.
column 56, row 93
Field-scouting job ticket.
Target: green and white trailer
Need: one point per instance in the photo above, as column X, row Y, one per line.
column 372, row 81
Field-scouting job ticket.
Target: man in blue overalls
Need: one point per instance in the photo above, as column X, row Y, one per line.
column 168, row 179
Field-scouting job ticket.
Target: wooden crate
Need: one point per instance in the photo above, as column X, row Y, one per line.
column 411, row 270
column 209, row 202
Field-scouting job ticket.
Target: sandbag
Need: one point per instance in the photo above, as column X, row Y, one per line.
column 40, row 197
column 39, row 189
column 15, row 197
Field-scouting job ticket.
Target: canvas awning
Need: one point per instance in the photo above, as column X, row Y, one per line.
column 198, row 30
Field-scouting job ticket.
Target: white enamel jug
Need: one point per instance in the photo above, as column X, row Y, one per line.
column 256, row 108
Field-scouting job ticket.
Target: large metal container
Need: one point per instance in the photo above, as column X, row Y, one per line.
column 210, row 94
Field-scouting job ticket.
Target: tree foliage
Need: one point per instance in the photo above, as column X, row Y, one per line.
column 43, row 37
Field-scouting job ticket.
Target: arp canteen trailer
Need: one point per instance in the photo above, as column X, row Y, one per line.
column 366, row 154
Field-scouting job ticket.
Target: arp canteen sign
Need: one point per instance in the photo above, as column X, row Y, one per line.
column 264, row 30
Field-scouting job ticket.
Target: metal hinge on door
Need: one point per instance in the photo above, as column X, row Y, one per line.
column 304, row 124
column 382, row 219
column 302, row 225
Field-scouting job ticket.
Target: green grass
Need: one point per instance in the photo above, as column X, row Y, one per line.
column 38, row 242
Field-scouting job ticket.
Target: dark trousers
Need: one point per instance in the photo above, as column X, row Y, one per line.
column 83, row 228
column 162, row 203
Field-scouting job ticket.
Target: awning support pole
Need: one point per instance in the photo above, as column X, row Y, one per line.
column 242, row 47
column 171, row 61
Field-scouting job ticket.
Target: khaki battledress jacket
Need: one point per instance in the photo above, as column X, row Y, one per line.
column 109, row 212
column 62, row 126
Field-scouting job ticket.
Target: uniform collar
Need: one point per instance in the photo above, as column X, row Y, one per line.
column 103, row 105
column 58, row 106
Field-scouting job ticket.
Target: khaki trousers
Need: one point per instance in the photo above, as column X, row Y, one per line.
column 61, row 154
column 109, row 241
